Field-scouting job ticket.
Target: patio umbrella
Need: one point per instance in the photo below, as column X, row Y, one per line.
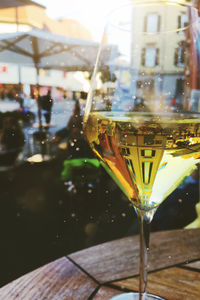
column 46, row 50
column 15, row 3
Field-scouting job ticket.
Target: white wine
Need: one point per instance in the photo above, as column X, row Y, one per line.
column 147, row 155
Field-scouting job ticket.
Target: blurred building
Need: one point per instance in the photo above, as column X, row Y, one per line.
column 161, row 55
column 34, row 16
column 158, row 54
column 25, row 18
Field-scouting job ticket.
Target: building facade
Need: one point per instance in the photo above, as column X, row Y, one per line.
column 159, row 49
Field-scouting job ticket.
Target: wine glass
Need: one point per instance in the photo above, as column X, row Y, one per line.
column 142, row 112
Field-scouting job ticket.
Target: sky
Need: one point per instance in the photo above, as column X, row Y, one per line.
column 90, row 13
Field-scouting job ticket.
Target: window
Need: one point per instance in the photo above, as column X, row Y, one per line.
column 182, row 21
column 180, row 83
column 147, row 153
column 150, row 56
column 146, row 171
column 152, row 23
column 179, row 56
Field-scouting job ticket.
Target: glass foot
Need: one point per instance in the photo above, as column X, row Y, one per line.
column 136, row 296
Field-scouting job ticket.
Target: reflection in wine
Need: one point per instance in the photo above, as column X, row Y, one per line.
column 142, row 150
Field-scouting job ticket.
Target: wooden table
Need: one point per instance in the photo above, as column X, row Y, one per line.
column 109, row 269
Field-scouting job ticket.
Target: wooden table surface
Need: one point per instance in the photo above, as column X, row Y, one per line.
column 109, row 269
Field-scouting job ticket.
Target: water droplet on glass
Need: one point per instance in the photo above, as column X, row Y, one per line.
column 187, row 262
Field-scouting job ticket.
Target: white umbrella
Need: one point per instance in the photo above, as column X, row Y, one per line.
column 46, row 50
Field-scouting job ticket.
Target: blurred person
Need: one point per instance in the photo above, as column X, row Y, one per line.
column 11, row 135
column 20, row 98
column 46, row 105
column 11, row 140
column 2, row 94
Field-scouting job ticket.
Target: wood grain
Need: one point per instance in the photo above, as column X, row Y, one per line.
column 173, row 284
column 119, row 259
column 59, row 280
column 71, row 279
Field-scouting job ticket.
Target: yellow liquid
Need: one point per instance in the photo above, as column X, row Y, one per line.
column 148, row 156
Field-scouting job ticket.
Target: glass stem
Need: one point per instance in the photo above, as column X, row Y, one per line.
column 144, row 249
